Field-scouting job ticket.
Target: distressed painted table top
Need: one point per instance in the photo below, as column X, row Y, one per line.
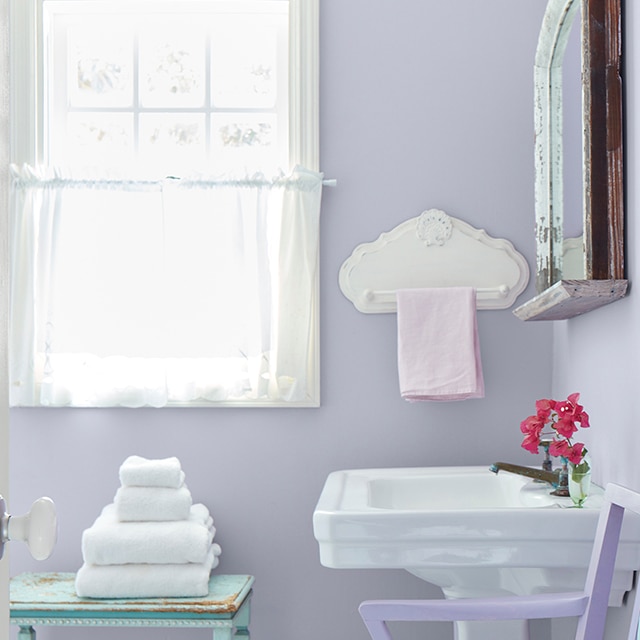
column 53, row 594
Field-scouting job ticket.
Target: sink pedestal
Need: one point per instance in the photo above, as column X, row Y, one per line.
column 488, row 582
column 478, row 584
column 512, row 629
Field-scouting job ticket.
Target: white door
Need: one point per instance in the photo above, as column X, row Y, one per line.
column 4, row 298
column 38, row 527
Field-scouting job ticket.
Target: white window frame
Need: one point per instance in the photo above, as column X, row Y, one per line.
column 27, row 117
column 27, row 82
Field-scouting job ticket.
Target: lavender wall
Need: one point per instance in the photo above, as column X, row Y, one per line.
column 597, row 354
column 425, row 104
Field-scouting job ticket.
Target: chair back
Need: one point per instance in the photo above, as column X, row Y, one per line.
column 590, row 605
column 591, row 625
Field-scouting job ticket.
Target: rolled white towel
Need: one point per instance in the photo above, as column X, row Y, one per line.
column 109, row 541
column 137, row 471
column 200, row 513
column 146, row 580
column 135, row 504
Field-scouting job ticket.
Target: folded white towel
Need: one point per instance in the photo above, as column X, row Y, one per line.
column 200, row 513
column 438, row 346
column 135, row 504
column 141, row 472
column 146, row 580
column 109, row 541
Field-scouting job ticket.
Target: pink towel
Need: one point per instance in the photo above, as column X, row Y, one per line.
column 438, row 347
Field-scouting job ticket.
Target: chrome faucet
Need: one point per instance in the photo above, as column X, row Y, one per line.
column 552, row 477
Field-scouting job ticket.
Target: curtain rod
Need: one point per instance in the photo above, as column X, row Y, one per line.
column 27, row 176
column 153, row 185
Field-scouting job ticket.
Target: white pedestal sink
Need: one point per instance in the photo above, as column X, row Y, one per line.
column 467, row 530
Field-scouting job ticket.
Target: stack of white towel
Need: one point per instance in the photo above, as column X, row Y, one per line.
column 151, row 541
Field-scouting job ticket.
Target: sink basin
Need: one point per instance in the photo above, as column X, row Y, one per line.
column 440, row 517
column 422, row 489
column 465, row 529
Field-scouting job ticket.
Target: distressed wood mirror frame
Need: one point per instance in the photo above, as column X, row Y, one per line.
column 603, row 177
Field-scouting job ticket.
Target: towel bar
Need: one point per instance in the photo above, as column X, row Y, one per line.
column 433, row 250
column 483, row 292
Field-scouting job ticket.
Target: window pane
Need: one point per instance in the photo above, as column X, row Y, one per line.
column 172, row 64
column 172, row 143
column 95, row 140
column 243, row 64
column 216, row 72
column 99, row 58
column 248, row 142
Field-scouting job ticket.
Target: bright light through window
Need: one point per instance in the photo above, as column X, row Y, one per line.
column 166, row 251
column 168, row 88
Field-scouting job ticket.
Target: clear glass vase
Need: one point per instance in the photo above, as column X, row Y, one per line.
column 580, row 481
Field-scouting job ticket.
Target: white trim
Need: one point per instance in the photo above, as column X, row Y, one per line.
column 26, row 116
column 304, row 83
column 26, row 19
column 304, row 136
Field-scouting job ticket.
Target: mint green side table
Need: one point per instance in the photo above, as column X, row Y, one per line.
column 49, row 599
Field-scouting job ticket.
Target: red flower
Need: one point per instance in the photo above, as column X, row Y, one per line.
column 559, row 448
column 562, row 418
column 571, row 410
column 576, row 453
column 532, row 424
column 544, row 408
column 531, row 443
column 565, row 427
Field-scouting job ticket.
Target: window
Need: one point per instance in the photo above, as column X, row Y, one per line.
column 185, row 85
column 164, row 244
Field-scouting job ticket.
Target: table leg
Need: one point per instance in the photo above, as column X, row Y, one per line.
column 26, row 632
column 223, row 633
column 241, row 620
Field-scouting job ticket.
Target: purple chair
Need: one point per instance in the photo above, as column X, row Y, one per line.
column 590, row 605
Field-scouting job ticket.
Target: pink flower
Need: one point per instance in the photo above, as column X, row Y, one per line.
column 570, row 409
column 559, row 448
column 532, row 424
column 562, row 418
column 565, row 427
column 576, row 453
column 565, row 409
column 531, row 443
column 579, row 414
column 544, row 408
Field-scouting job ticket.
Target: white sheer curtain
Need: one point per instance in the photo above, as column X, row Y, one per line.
column 160, row 293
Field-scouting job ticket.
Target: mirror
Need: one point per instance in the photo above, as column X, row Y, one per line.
column 603, row 195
